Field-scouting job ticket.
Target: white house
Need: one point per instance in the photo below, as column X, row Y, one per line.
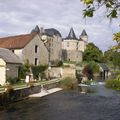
column 9, row 65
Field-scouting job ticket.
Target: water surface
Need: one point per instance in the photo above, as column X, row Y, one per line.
column 103, row 104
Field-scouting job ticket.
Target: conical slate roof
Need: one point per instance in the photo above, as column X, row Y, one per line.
column 36, row 29
column 83, row 33
column 71, row 35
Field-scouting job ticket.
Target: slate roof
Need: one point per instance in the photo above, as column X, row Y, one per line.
column 16, row 42
column 104, row 66
column 71, row 35
column 83, row 33
column 8, row 56
column 36, row 29
column 52, row 31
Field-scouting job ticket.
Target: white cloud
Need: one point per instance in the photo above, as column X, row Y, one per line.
column 18, row 17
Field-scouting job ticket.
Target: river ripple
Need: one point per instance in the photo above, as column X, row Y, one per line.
column 67, row 105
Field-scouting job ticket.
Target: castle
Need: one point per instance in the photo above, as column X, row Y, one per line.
column 72, row 47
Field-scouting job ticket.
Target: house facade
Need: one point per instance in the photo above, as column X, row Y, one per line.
column 53, row 41
column 9, row 65
column 28, row 47
column 72, row 47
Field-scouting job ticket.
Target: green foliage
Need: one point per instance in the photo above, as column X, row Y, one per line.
column 12, row 80
column 87, row 82
column 90, row 69
column 108, row 55
column 92, row 53
column 88, row 12
column 116, row 37
column 94, row 66
column 57, row 63
column 25, row 68
column 68, row 83
column 36, row 70
column 116, row 59
column 113, row 57
column 113, row 84
column 112, row 7
column 88, row 72
column 60, row 63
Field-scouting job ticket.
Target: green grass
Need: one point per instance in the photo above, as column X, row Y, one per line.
column 22, row 84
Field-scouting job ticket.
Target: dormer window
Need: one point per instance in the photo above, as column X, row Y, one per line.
column 36, row 48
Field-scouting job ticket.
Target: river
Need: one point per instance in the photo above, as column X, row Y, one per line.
column 103, row 104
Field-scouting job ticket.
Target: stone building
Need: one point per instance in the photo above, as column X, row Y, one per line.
column 72, row 47
column 9, row 65
column 28, row 47
column 53, row 41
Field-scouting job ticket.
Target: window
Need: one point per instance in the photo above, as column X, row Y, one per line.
column 36, row 48
column 13, row 51
column 36, row 61
column 67, row 44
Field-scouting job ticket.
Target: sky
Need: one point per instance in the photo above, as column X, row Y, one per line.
column 20, row 17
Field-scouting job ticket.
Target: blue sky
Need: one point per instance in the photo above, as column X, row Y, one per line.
column 19, row 17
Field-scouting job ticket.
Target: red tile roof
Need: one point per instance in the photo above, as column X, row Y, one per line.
column 16, row 42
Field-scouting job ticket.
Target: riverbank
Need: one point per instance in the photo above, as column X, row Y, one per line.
column 45, row 92
column 8, row 97
column 104, row 104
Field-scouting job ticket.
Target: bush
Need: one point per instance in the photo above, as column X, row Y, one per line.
column 68, row 83
column 25, row 68
column 88, row 72
column 113, row 84
column 12, row 80
column 57, row 63
column 94, row 66
column 36, row 70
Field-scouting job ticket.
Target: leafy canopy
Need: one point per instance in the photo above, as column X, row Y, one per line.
column 92, row 53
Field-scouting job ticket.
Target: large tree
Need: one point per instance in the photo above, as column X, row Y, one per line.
column 92, row 53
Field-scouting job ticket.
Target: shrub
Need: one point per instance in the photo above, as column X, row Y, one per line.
column 12, row 80
column 113, row 84
column 68, row 83
column 25, row 68
column 94, row 66
column 36, row 70
column 87, row 71
column 60, row 63
column 57, row 63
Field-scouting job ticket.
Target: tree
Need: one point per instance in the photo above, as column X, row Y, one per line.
column 116, row 59
column 87, row 71
column 108, row 55
column 112, row 7
column 116, row 37
column 113, row 57
column 92, row 53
